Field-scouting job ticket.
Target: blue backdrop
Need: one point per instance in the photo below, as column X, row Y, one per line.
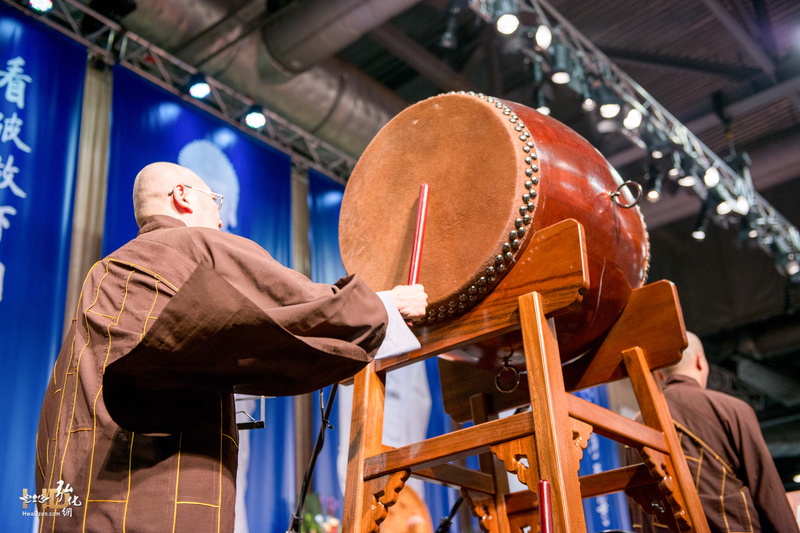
column 601, row 454
column 150, row 124
column 41, row 85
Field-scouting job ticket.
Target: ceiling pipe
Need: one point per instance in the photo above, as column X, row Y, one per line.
column 305, row 32
column 333, row 100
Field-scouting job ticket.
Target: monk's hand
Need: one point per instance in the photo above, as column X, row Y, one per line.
column 410, row 300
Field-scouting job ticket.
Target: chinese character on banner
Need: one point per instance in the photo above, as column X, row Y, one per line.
column 14, row 81
column 11, row 128
column 7, row 173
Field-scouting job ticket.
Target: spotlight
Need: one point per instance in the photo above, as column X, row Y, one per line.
column 688, row 174
column 654, row 194
column 449, row 39
column 633, row 119
column 541, row 102
column 560, row 75
column 711, row 177
column 42, row 6
column 655, row 140
column 198, row 86
column 741, row 205
column 748, row 227
column 588, row 103
column 608, row 101
column 792, row 266
column 725, row 203
column 506, row 20
column 676, row 169
column 699, row 233
column 543, row 37
column 255, row 117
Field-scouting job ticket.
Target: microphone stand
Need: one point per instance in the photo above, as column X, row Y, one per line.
column 294, row 525
column 444, row 524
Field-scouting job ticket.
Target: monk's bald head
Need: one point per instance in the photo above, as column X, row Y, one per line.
column 152, row 187
column 693, row 363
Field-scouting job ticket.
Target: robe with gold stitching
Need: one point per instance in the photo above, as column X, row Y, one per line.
column 138, row 415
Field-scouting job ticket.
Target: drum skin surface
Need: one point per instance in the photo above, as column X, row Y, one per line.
column 498, row 172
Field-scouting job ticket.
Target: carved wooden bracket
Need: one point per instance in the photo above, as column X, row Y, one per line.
column 662, row 502
column 519, row 457
column 385, row 491
column 581, row 431
column 483, row 508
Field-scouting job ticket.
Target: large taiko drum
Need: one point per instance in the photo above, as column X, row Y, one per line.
column 498, row 172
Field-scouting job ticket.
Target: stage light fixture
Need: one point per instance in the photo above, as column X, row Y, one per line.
column 608, row 101
column 506, row 19
column 543, row 37
column 42, row 6
column 711, row 177
column 255, row 117
column 699, row 232
column 654, row 194
column 198, row 86
column 541, row 102
column 588, row 103
column 561, row 64
column 449, row 39
column 723, row 200
column 633, row 119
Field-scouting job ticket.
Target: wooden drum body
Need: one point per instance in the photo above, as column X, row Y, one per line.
column 498, row 172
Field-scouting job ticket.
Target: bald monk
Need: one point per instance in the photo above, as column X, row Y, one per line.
column 137, row 427
column 737, row 482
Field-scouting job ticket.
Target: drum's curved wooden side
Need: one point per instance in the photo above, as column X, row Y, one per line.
column 577, row 182
column 498, row 172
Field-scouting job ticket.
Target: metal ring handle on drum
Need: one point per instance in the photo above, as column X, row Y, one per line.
column 514, row 372
column 637, row 197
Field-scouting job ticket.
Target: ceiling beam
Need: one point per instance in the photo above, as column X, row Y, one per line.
column 419, row 58
column 736, row 72
column 748, row 44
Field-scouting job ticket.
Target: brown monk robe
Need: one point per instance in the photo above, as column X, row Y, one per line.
column 138, row 416
column 737, row 482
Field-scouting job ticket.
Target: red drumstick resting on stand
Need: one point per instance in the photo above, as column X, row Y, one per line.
column 545, row 508
column 419, row 235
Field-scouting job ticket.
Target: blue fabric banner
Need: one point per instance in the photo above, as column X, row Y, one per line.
column 150, row 124
column 41, row 86
column 603, row 512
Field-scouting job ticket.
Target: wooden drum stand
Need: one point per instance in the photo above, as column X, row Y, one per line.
column 548, row 441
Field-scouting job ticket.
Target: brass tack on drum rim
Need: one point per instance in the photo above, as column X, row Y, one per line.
column 637, row 196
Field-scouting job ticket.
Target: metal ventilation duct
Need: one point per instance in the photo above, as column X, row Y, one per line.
column 228, row 41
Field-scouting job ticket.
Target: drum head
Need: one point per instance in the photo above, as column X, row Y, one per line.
column 480, row 164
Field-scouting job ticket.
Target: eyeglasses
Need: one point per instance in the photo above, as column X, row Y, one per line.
column 214, row 196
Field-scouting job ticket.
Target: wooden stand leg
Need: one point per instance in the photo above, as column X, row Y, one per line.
column 555, row 455
column 679, row 490
column 366, row 439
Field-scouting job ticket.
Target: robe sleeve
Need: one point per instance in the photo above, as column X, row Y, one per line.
column 212, row 337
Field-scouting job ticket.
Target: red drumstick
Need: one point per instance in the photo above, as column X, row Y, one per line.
column 419, row 235
column 545, row 509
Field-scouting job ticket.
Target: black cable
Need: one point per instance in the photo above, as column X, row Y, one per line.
column 444, row 524
column 294, row 524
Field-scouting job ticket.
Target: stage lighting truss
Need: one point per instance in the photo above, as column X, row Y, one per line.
column 110, row 43
column 599, row 81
